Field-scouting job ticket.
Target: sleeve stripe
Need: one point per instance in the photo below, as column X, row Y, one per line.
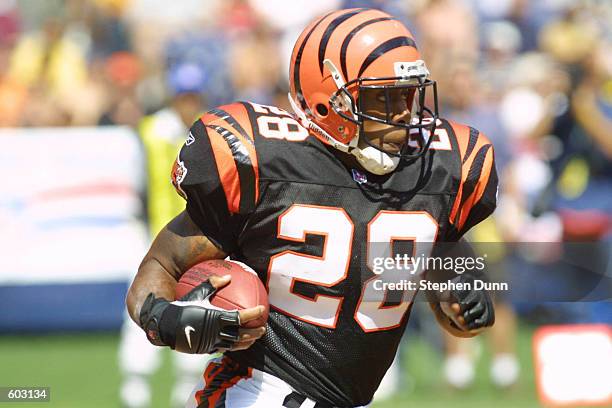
column 487, row 172
column 235, row 169
column 236, row 116
column 226, row 166
column 484, row 173
column 247, row 127
column 461, row 133
column 234, row 120
column 474, row 173
column 472, row 143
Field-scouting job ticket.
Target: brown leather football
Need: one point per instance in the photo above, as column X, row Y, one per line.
column 245, row 290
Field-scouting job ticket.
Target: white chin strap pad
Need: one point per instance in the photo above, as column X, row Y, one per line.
column 375, row 161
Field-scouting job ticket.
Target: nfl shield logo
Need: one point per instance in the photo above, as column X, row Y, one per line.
column 359, row 176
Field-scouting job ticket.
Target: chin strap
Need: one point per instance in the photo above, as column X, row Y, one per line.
column 375, row 161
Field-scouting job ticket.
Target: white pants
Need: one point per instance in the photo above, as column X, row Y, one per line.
column 225, row 384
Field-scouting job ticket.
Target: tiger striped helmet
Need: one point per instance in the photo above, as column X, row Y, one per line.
column 340, row 55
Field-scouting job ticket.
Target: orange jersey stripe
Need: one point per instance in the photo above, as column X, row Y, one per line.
column 462, row 135
column 241, row 115
column 226, row 166
column 213, row 380
column 214, row 397
column 235, row 119
column 479, row 190
column 211, row 371
column 463, row 139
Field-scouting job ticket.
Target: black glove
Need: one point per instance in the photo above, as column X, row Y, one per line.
column 476, row 305
column 190, row 325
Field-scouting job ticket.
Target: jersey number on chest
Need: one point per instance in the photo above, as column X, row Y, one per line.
column 337, row 228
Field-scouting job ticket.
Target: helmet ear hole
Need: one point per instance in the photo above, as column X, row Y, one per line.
column 322, row 109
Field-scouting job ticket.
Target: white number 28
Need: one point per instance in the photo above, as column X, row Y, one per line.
column 337, row 228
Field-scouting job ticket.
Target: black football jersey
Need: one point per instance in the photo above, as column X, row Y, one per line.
column 273, row 196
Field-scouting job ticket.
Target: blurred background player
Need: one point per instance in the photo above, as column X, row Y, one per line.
column 162, row 134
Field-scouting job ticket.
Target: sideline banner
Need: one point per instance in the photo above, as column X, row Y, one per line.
column 574, row 365
column 71, row 230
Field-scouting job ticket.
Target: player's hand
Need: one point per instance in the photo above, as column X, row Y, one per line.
column 192, row 324
column 469, row 310
column 247, row 336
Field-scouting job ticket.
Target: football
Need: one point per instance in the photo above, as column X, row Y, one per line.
column 245, row 290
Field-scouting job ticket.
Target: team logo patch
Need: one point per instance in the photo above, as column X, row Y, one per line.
column 190, row 139
column 179, row 172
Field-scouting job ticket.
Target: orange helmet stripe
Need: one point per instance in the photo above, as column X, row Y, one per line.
column 383, row 48
column 298, row 61
column 330, row 30
column 350, row 36
column 359, row 40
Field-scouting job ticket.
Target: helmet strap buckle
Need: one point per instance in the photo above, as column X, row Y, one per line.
column 341, row 100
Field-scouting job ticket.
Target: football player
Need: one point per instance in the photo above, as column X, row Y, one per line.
column 309, row 199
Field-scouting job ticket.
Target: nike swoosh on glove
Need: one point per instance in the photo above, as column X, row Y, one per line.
column 189, row 325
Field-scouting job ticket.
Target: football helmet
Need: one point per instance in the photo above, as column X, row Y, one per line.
column 341, row 56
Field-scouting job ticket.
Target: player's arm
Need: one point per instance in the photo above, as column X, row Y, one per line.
column 190, row 325
column 177, row 247
column 219, row 185
column 465, row 313
column 461, row 312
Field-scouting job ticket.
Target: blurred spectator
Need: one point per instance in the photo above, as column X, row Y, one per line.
column 153, row 22
column 456, row 42
column 123, row 71
column 209, row 50
column 254, row 66
column 570, row 39
column 584, row 169
column 162, row 134
column 108, row 31
column 50, row 58
column 465, row 100
column 13, row 95
column 286, row 20
column 44, row 108
column 501, row 41
column 9, row 23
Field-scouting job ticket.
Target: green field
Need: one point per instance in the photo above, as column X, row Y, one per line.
column 82, row 372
